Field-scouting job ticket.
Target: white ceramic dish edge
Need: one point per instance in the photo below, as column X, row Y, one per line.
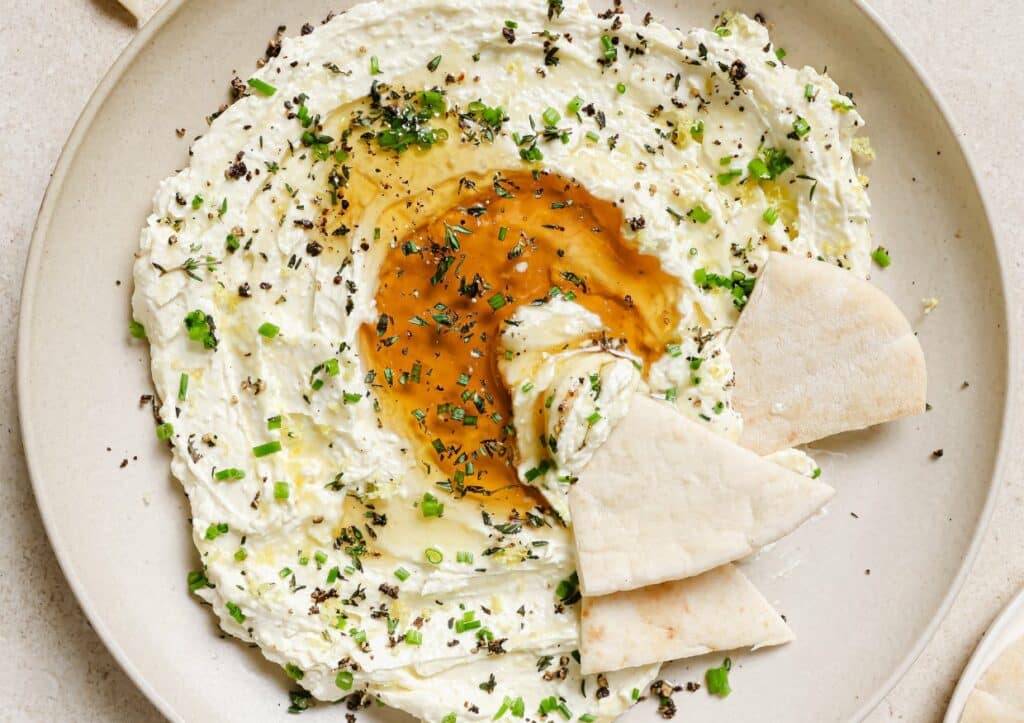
column 1007, row 628
column 24, row 331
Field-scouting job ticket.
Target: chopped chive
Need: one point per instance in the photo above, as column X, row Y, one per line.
column 780, row 53
column 351, row 397
column 294, row 672
column 718, row 679
column 229, row 474
column 724, row 179
column 320, row 556
column 182, row 387
column 332, row 367
column 434, row 63
column 197, row 580
column 881, row 257
column 374, row 65
column 344, row 680
column 608, row 49
column 699, row 214
column 164, row 431
column 235, row 612
column 801, row 127
column 137, row 330
column 816, row 473
column 284, row 572
column 274, row 422
column 197, row 202
column 262, row 450
column 502, row 233
column 621, row 88
column 413, row 637
column 430, row 507
column 671, row 394
column 497, row 301
column 215, row 530
column 433, row 555
column 809, row 92
column 269, row 330
column 770, row 215
column 282, row 490
column 550, row 116
column 593, row 419
column 402, row 574
column 261, row 86
column 464, row 557
column 593, row 137
column 574, row 105
column 240, row 554
column 697, row 131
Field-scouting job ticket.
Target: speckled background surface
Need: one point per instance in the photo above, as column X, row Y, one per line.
column 53, row 53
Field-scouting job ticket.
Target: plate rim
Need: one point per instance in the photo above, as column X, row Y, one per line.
column 34, row 262
column 991, row 646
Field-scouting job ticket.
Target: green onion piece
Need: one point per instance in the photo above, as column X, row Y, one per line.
column 718, row 679
column 262, row 450
column 621, row 88
column 593, row 137
column 197, row 580
column 344, row 680
column 374, row 65
column 351, row 397
column 284, row 572
column 269, row 330
column 574, row 105
column 671, row 394
column 780, row 53
column 450, row 718
column 230, row 474
column 502, row 233
column 215, row 530
column 332, row 367
column 497, row 301
column 282, row 490
column 433, row 555
column 608, row 49
column 261, row 87
column 635, row 695
column 333, row 574
column 593, row 419
column 430, row 507
column 137, row 330
column 182, row 387
column 505, row 705
column 164, row 431
column 274, row 422
column 809, row 92
column 464, row 557
column 294, row 672
column 518, row 708
column 770, row 215
column 413, row 637
column 551, row 116
column 816, row 473
column 511, row 24
column 881, row 257
column 588, row 718
column 724, row 179
column 402, row 574
column 801, row 127
column 197, row 202
column 699, row 214
column 320, row 556
column 434, row 63
column 240, row 554
column 235, row 612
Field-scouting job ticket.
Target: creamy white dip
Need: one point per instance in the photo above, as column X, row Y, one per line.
column 307, row 511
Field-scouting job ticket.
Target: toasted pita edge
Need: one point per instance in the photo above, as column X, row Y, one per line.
column 818, row 351
column 717, row 611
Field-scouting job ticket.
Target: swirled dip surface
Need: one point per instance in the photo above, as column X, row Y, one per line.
column 427, row 225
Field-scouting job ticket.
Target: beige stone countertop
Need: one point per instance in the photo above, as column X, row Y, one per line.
column 53, row 667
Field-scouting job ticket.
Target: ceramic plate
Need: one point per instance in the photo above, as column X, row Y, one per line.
column 1005, row 630
column 863, row 585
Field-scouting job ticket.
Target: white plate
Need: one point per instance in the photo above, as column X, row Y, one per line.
column 122, row 535
column 1004, row 631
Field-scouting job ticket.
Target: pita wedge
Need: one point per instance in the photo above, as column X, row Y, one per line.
column 665, row 498
column 719, row 610
column 818, row 351
column 999, row 695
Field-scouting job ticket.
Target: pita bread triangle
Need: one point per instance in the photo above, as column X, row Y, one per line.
column 666, row 498
column 999, row 695
column 818, row 351
column 719, row 610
